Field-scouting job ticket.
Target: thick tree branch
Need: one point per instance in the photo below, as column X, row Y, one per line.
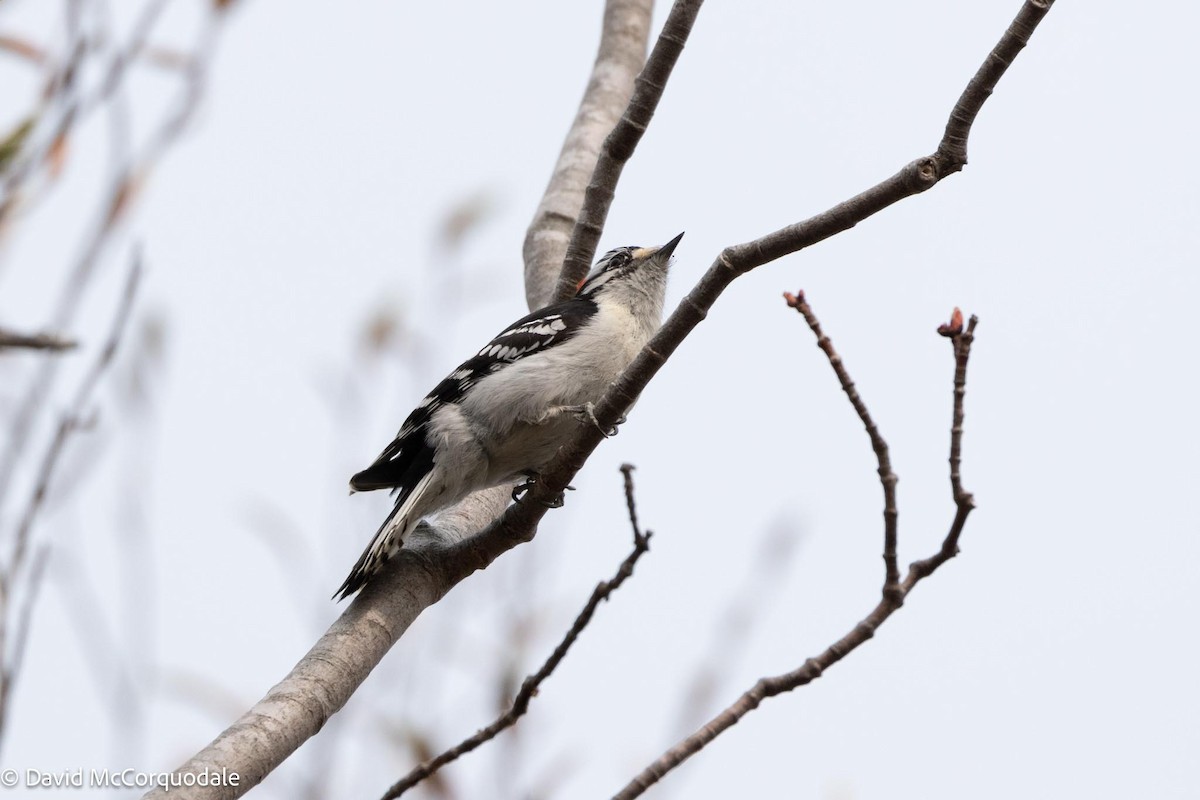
column 531, row 684
column 319, row 685
column 623, row 39
column 329, row 673
column 891, row 597
column 518, row 522
column 914, row 178
column 620, row 144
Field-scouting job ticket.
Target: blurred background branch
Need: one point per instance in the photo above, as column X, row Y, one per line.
column 423, row 573
column 80, row 71
column 892, row 595
column 530, row 686
column 343, row 223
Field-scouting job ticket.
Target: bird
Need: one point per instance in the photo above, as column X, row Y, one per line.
column 505, row 412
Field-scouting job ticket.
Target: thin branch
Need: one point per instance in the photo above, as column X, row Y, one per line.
column 952, row 151
column 70, row 422
column 74, row 418
column 638, row 537
column 887, row 477
column 36, row 341
column 21, row 626
column 473, row 534
column 622, row 52
column 963, row 500
column 323, row 680
column 518, row 524
column 891, row 599
column 531, row 684
column 620, row 144
column 72, row 109
column 126, row 182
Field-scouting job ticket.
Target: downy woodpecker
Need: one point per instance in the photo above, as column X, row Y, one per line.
column 505, row 412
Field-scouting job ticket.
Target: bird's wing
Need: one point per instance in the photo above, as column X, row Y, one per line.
column 403, row 463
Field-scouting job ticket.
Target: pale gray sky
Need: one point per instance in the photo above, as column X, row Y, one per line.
column 1055, row 658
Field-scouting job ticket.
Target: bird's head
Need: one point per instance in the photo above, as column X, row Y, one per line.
column 629, row 265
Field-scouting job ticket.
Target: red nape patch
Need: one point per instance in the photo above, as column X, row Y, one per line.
column 579, row 285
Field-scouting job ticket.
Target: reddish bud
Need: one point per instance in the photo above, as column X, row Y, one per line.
column 794, row 300
column 955, row 326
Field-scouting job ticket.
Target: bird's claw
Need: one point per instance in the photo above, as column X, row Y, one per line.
column 587, row 413
column 520, row 490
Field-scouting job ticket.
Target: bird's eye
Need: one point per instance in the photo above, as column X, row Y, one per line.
column 620, row 259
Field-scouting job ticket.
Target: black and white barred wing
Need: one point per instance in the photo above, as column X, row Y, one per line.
column 408, row 459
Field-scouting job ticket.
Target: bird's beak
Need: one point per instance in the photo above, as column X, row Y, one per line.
column 665, row 251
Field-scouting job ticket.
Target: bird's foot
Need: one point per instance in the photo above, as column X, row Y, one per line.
column 520, row 490
column 587, row 413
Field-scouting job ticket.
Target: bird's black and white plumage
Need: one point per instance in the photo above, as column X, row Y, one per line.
column 504, row 413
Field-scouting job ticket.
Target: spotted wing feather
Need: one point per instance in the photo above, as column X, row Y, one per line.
column 405, row 461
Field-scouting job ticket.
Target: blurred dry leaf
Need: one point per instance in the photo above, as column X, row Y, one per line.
column 7, row 205
column 223, row 5
column 56, row 156
column 381, row 331
column 123, row 198
column 463, row 218
column 22, row 48
column 166, row 58
column 422, row 749
column 11, row 144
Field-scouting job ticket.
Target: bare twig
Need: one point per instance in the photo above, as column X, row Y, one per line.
column 620, row 144
column 126, row 182
column 623, row 38
column 963, row 500
column 891, row 597
column 70, row 422
column 531, row 684
column 473, row 534
column 70, row 108
column 638, row 538
column 36, row 341
column 519, row 522
column 887, row 478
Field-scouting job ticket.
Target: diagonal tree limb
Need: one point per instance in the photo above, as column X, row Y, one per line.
column 519, row 521
column 891, row 597
column 620, row 144
column 531, row 684
column 623, row 38
column 420, row 575
column 952, row 151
